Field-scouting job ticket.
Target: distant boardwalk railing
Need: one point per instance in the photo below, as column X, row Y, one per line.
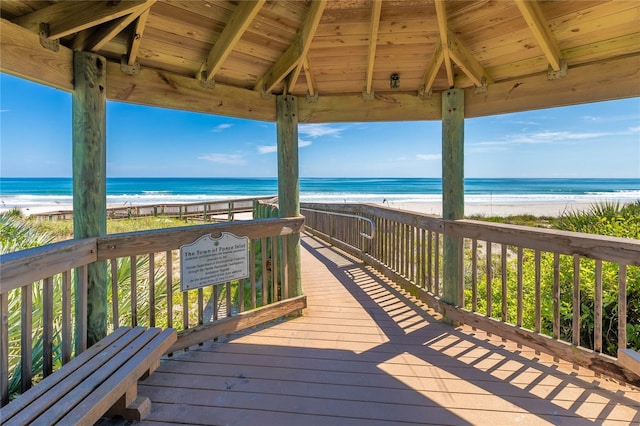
column 209, row 211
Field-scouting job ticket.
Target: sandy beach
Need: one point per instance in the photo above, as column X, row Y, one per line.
column 434, row 208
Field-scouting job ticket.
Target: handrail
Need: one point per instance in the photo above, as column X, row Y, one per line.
column 144, row 290
column 533, row 286
column 369, row 236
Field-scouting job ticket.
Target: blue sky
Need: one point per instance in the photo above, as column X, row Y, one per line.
column 597, row 140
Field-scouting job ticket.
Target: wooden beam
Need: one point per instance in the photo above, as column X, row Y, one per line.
column 233, row 31
column 23, row 56
column 537, row 23
column 291, row 60
column 441, row 16
column 136, row 37
column 385, row 107
column 289, row 183
column 89, row 105
column 92, row 40
column 616, row 79
column 167, row 90
column 308, row 75
column 467, row 63
column 432, row 69
column 376, row 7
column 70, row 17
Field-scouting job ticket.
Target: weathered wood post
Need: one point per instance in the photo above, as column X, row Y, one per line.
column 89, row 179
column 288, row 181
column 452, row 187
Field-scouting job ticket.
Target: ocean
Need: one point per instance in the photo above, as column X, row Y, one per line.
column 53, row 192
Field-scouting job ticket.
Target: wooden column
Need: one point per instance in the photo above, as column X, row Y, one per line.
column 89, row 178
column 288, row 181
column 452, row 187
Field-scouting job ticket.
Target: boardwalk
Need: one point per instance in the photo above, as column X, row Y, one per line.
column 363, row 354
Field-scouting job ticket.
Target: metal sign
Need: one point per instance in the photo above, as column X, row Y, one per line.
column 210, row 261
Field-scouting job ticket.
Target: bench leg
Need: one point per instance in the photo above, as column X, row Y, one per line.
column 131, row 406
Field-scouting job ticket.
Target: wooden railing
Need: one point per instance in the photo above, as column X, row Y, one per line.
column 206, row 211
column 43, row 293
column 530, row 285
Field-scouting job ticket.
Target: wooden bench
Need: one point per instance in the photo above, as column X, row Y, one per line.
column 102, row 381
column 629, row 359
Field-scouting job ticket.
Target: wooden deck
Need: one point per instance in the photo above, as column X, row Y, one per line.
column 364, row 354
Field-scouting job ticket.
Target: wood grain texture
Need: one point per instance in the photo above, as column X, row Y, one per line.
column 365, row 353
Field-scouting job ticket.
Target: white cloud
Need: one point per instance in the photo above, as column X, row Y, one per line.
column 232, row 159
column 428, row 157
column 267, row 149
column 634, row 129
column 317, row 130
column 544, row 137
column 221, row 127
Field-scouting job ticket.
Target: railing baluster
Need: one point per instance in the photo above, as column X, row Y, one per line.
column 47, row 326
column 81, row 308
column 489, row 263
column 520, row 283
column 114, row 293
column 274, row 268
column 474, row 275
column 134, row 291
column 26, row 330
column 430, row 261
column 423, row 258
column 169, row 261
column 460, row 272
column 252, row 259
column 622, row 306
column 152, row 290
column 597, row 315
column 575, row 323
column 285, row 269
column 200, row 306
column 556, row 295
column 503, row 261
column 185, row 310
column 538, row 279
column 4, row 349
column 67, row 333
column 436, row 272
column 265, row 276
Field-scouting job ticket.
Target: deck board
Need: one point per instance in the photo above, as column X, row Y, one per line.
column 363, row 353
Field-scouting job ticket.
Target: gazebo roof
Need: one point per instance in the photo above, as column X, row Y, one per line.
column 341, row 58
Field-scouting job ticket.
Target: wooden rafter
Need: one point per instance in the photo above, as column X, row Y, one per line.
column 239, row 22
column 441, row 16
column 308, row 75
column 292, row 58
column 94, row 39
column 537, row 23
column 376, row 7
column 432, row 69
column 136, row 37
column 467, row 63
column 66, row 18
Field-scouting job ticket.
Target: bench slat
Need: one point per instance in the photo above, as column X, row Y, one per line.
column 14, row 407
column 100, row 372
column 108, row 393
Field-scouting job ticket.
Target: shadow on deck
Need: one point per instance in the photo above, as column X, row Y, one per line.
column 363, row 353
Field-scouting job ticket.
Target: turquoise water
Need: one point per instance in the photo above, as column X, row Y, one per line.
column 25, row 192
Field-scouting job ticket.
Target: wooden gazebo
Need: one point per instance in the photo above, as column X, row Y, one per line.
column 321, row 61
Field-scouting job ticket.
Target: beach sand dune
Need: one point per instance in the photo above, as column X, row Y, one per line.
column 552, row 209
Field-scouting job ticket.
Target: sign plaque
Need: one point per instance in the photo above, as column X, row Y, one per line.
column 211, row 261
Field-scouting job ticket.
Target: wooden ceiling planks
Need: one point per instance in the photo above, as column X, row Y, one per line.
column 487, row 42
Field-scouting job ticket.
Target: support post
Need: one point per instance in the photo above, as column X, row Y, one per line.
column 288, row 182
column 452, row 188
column 89, row 178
